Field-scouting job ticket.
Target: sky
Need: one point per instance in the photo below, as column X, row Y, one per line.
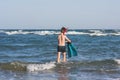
column 53, row 14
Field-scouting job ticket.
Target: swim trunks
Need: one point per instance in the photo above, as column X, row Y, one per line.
column 61, row 49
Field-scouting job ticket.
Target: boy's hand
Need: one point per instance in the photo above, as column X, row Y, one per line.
column 68, row 42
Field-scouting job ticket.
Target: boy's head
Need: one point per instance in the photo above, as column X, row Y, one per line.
column 63, row 30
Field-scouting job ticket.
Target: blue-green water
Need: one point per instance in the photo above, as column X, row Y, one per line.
column 31, row 55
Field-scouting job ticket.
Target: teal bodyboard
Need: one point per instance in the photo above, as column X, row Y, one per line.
column 71, row 50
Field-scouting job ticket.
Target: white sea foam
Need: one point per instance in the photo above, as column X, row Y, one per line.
column 47, row 32
column 40, row 67
column 17, row 32
column 41, row 32
column 76, row 32
column 97, row 33
column 31, row 32
column 116, row 34
column 117, row 60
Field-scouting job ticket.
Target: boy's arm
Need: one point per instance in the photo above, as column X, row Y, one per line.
column 67, row 39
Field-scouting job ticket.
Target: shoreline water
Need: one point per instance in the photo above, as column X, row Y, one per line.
column 31, row 55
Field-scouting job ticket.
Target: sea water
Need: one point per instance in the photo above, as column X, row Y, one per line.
column 31, row 55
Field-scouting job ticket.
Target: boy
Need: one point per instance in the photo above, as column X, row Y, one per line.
column 62, row 38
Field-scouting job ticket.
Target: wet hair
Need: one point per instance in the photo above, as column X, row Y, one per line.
column 63, row 29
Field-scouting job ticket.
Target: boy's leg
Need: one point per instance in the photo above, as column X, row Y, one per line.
column 64, row 57
column 58, row 57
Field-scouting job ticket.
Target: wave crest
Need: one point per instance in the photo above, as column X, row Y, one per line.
column 40, row 67
column 117, row 61
column 20, row 66
column 70, row 32
column 34, row 67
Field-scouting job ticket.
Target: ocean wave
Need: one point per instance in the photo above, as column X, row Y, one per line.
column 31, row 67
column 30, row 32
column 70, row 32
column 44, row 32
column 21, row 66
column 117, row 61
column 76, row 32
column 39, row 67
column 98, row 33
column 104, row 32
column 16, row 32
column 116, row 34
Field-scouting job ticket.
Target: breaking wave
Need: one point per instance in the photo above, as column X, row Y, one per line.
column 39, row 67
column 70, row 32
column 31, row 67
column 20, row 66
column 117, row 61
column 29, row 32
